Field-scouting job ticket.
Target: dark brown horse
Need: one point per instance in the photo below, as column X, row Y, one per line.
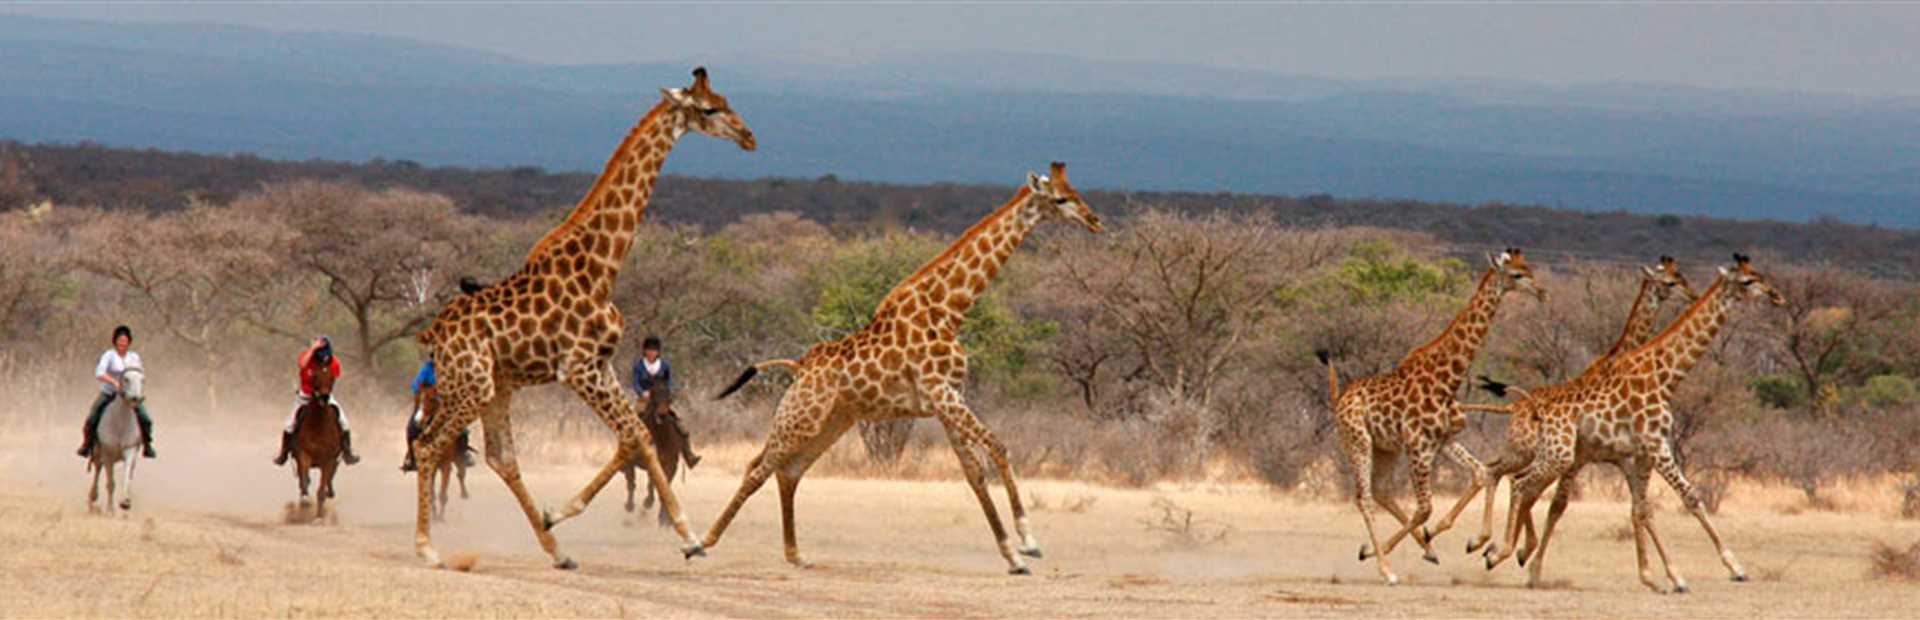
column 667, row 443
column 316, row 440
column 449, row 468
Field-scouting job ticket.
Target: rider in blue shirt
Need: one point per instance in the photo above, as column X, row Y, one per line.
column 425, row 404
column 653, row 379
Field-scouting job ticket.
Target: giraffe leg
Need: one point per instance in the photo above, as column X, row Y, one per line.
column 1642, row 518
column 1562, row 495
column 595, row 382
column 1527, row 489
column 1643, row 470
column 1504, row 467
column 1459, row 455
column 628, row 473
column 1359, row 450
column 506, row 464
column 789, row 479
column 1029, row 546
column 1420, row 469
column 463, row 391
column 1383, row 464
column 1669, row 469
column 796, row 408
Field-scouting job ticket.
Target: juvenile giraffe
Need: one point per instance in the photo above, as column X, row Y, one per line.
column 1657, row 284
column 1412, row 410
column 553, row 321
column 907, row 363
column 1624, row 416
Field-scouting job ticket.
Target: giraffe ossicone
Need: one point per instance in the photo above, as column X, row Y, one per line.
column 553, row 321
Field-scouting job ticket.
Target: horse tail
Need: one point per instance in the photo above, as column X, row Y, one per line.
column 753, row 371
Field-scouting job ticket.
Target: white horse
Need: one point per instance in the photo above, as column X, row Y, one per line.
column 118, row 441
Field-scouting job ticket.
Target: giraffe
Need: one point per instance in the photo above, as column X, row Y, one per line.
column 1623, row 416
column 908, row 362
column 1412, row 409
column 1657, row 284
column 552, row 321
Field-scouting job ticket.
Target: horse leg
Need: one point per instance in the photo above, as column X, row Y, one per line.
column 669, row 455
column 126, row 501
column 325, row 491
column 93, row 490
column 460, row 471
column 300, row 471
column 110, row 480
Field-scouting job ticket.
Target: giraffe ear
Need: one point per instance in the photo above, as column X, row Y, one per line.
column 1036, row 182
column 677, row 96
column 1724, row 271
column 1650, row 272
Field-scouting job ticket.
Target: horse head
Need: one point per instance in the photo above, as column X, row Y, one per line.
column 133, row 385
column 322, row 384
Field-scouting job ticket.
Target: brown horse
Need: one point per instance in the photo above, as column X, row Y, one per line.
column 448, row 469
column 667, row 443
column 316, row 440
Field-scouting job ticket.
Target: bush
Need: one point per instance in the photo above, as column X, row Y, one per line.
column 1887, row 391
column 1779, row 392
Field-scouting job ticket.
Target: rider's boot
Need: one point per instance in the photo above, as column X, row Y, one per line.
column 408, row 465
column 686, row 444
column 86, row 445
column 146, row 437
column 346, row 448
column 286, row 448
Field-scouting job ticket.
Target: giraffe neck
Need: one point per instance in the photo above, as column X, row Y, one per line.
column 1639, row 326
column 947, row 286
column 1673, row 352
column 595, row 238
column 1450, row 354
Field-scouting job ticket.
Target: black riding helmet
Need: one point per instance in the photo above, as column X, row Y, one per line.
column 324, row 354
column 122, row 331
column 652, row 342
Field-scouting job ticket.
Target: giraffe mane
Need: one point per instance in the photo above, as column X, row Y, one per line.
column 1709, row 297
column 599, row 190
column 1019, row 198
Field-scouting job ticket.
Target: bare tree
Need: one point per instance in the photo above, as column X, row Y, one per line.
column 383, row 257
column 1827, row 331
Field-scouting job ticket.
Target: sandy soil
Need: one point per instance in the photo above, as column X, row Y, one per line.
column 207, row 537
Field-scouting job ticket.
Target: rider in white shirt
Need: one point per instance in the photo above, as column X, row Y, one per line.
column 109, row 372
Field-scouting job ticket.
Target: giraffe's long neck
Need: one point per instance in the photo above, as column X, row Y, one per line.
column 1681, row 344
column 1639, row 326
column 944, row 288
column 595, row 238
column 1452, row 352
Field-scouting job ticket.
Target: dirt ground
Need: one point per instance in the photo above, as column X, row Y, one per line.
column 207, row 537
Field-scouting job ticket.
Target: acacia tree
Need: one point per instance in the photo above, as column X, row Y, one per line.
column 1172, row 300
column 381, row 256
column 198, row 271
column 1829, row 331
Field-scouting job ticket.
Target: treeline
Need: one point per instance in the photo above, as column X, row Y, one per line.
column 117, row 179
column 1174, row 340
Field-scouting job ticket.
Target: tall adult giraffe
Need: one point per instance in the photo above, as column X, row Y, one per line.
column 553, row 321
column 905, row 363
column 1624, row 416
column 1657, row 284
column 1413, row 410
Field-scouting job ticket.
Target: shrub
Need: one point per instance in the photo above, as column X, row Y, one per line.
column 1779, row 392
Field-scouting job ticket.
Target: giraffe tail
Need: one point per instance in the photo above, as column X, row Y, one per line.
column 1333, row 378
column 1501, row 390
column 753, row 371
column 1494, row 409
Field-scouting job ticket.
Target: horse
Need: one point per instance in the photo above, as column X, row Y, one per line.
column 448, row 468
column 316, row 441
column 117, row 440
column 667, row 444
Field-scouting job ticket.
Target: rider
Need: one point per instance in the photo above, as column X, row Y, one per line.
column 424, row 390
column 318, row 355
column 111, row 369
column 651, row 373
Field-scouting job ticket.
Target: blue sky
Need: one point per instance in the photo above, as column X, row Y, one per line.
column 1864, row 49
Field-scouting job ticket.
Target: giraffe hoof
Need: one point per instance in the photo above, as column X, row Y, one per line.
column 1020, row 570
column 1522, row 558
column 1365, row 553
column 694, row 550
column 1431, row 559
column 1393, row 580
column 566, row 564
column 547, row 521
column 1740, row 577
column 1032, row 552
column 1680, row 589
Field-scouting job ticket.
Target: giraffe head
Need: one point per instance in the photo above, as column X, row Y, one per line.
column 1744, row 281
column 705, row 111
column 1515, row 274
column 1056, row 199
column 1667, row 280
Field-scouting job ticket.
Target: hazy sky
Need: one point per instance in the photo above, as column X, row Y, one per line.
column 1871, row 49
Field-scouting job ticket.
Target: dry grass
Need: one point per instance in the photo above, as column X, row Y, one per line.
column 1893, row 563
column 1180, row 528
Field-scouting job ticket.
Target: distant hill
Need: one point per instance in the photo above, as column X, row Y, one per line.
column 977, row 118
column 150, row 179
